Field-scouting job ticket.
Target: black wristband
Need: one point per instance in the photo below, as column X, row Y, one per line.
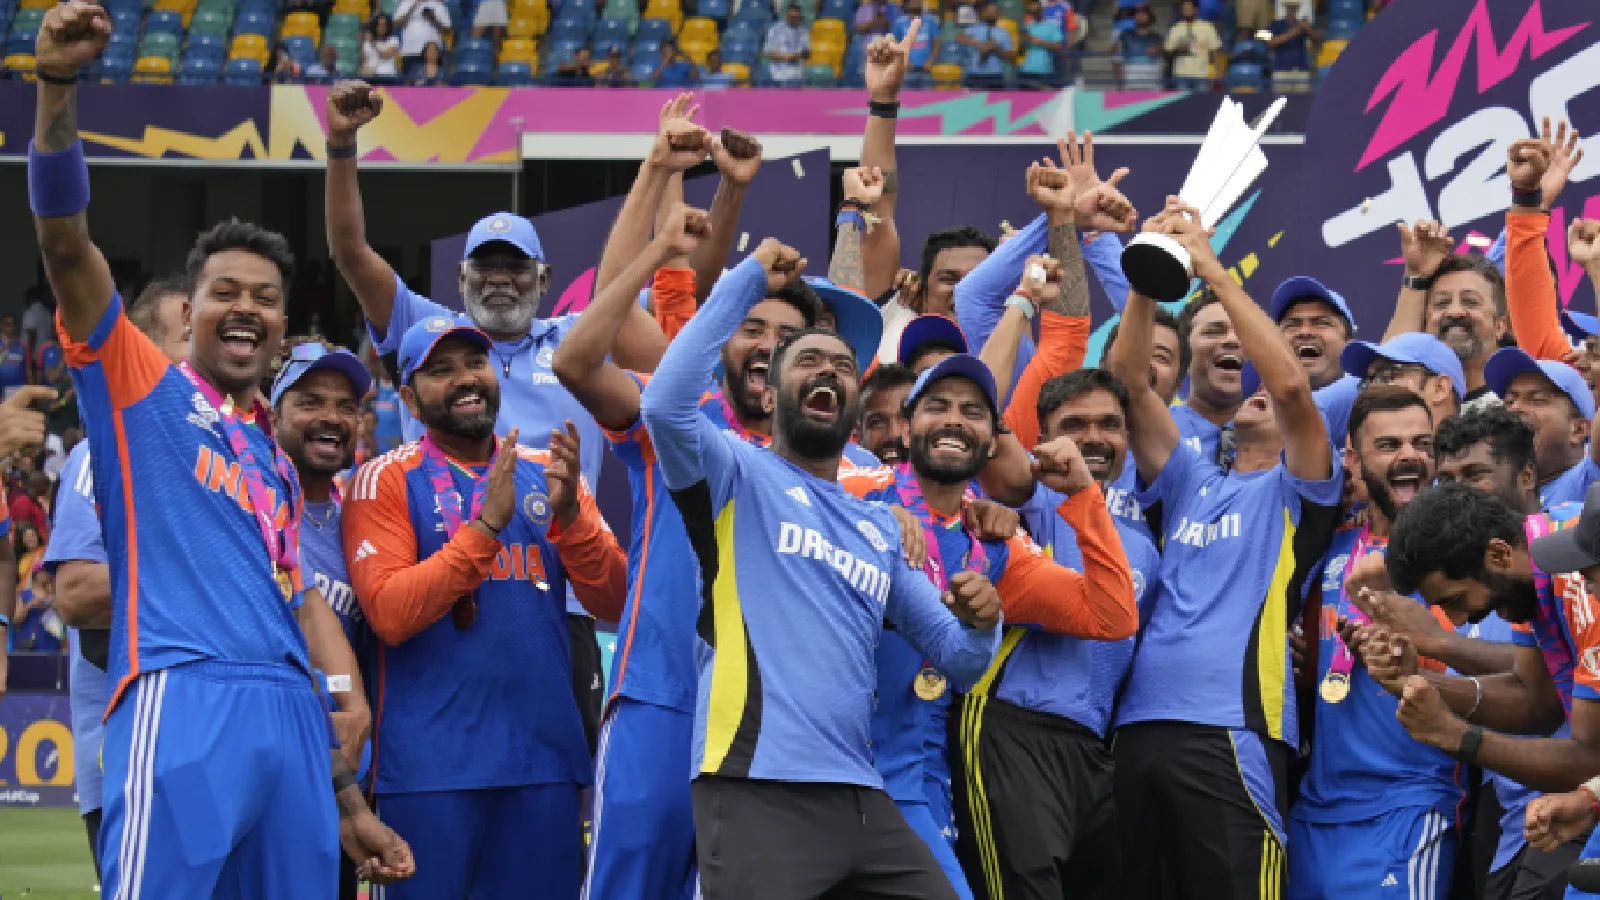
column 59, row 80
column 1416, row 282
column 337, row 152
column 485, row 523
column 856, row 205
column 883, row 110
column 343, row 780
column 1529, row 197
column 1470, row 742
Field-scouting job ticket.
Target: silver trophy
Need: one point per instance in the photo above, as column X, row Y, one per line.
column 1229, row 162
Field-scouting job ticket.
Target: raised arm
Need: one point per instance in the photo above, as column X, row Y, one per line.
column 887, row 60
column 1152, row 434
column 581, row 360
column 352, row 104
column 71, row 35
column 862, row 188
column 679, row 145
column 1423, row 248
column 738, row 158
column 1531, row 297
column 595, row 564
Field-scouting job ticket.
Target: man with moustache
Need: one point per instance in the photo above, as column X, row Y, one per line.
column 460, row 547
column 787, row 802
column 883, row 430
column 1376, row 808
column 209, row 664
column 1553, row 398
column 1035, row 795
column 1206, row 725
column 1417, row 361
column 952, row 415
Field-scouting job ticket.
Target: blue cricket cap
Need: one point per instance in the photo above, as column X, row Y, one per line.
column 1414, row 347
column 1509, row 362
column 964, row 365
column 1249, row 380
column 1303, row 287
column 1579, row 326
column 506, row 228
column 856, row 318
column 312, row 356
column 929, row 328
column 421, row 338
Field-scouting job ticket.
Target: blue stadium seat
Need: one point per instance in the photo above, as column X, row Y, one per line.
column 646, row 48
column 568, row 46
column 844, row 10
column 657, row 30
column 756, row 16
column 554, row 57
column 208, row 45
column 241, row 72
column 116, row 68
column 514, row 74
column 611, row 33
column 1342, row 29
column 199, row 70
column 118, row 5
column 472, row 70
column 20, row 42
column 475, row 58
column 475, row 45
column 125, row 20
column 644, row 69
column 252, row 21
column 163, row 21
column 714, row 9
column 742, row 30
column 301, row 48
column 1246, row 76
column 258, row 6
column 740, row 51
column 126, row 39
column 587, row 10
column 569, row 29
column 1251, row 51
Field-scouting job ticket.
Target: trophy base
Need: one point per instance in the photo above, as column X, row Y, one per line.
column 1158, row 267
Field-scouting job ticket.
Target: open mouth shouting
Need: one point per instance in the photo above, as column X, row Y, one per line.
column 1308, row 350
column 1229, row 366
column 241, row 337
column 1405, row 480
column 755, row 374
column 821, row 402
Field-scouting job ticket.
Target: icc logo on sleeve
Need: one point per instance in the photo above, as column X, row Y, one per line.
column 545, row 357
column 537, row 506
column 1138, row 583
column 870, row 531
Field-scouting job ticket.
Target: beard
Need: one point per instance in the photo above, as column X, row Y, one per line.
column 750, row 405
column 294, row 447
column 892, row 451
column 468, row 426
column 1515, row 599
column 815, row 440
column 1378, row 486
column 1466, row 346
column 923, row 462
column 502, row 318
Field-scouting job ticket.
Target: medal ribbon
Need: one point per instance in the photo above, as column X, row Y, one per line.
column 910, row 493
column 437, row 467
column 733, row 424
column 1343, row 662
column 282, row 544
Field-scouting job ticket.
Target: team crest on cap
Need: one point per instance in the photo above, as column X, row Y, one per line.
column 873, row 536
column 537, row 506
column 498, row 225
column 439, row 324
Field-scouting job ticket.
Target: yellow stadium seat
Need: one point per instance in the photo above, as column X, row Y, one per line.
column 946, row 76
column 1330, row 52
column 20, row 62
column 827, row 29
column 517, row 50
column 300, row 23
column 697, row 50
column 248, row 46
column 361, row 9
column 37, row 4
column 698, row 29
column 739, row 71
column 522, row 27
column 665, row 9
column 1010, row 27
column 827, row 51
column 152, row 70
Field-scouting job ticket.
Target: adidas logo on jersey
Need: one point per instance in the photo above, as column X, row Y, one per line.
column 365, row 550
column 799, row 494
column 203, row 416
column 1390, row 881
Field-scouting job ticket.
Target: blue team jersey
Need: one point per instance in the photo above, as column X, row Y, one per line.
column 1071, row 677
column 487, row 706
column 170, row 492
column 1235, row 550
column 13, row 364
column 387, row 406
column 75, row 537
column 1122, row 500
column 1363, row 763
column 798, row 578
column 530, row 396
column 1570, row 486
column 1196, row 433
column 1513, row 797
column 1334, row 402
column 1563, row 627
column 322, row 558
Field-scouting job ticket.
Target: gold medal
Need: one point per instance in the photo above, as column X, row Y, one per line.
column 1335, row 686
column 285, row 584
column 929, row 684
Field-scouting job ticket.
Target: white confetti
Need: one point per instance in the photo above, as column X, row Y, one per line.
column 744, row 241
column 1366, row 206
column 1036, row 272
column 799, row 170
column 1479, row 241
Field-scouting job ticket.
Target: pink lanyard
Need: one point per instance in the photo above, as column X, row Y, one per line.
column 282, row 544
column 1343, row 663
column 733, row 423
column 437, row 468
column 910, row 493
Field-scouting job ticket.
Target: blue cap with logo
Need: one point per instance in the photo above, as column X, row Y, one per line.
column 964, row 365
column 929, row 328
column 1509, row 362
column 1415, row 347
column 856, row 318
column 312, row 356
column 421, row 338
column 1301, row 288
column 505, row 228
column 1579, row 326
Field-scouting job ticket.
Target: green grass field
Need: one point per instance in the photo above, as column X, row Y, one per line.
column 44, row 855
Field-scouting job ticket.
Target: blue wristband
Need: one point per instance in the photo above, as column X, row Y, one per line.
column 852, row 217
column 58, row 183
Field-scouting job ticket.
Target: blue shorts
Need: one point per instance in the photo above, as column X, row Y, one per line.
column 936, row 831
column 1408, row 852
column 493, row 842
column 642, row 846
column 217, row 784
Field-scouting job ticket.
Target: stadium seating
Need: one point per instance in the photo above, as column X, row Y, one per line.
column 514, row 74
column 652, row 29
column 199, row 70
column 152, row 70
column 243, row 71
column 611, row 33
column 248, row 46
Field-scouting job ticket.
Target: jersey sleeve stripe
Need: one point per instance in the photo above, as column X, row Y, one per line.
column 131, row 610
column 638, row 582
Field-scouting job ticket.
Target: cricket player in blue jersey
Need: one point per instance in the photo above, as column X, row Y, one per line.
column 1556, row 401
column 1206, row 726
column 1317, row 323
column 1376, row 809
column 76, row 558
column 208, row 664
column 787, row 801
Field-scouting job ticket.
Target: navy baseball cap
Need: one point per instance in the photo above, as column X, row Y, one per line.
column 1249, row 380
column 1304, row 287
column 311, row 356
column 1509, row 362
column 963, row 364
column 1574, row 548
column 856, row 318
column 1579, row 326
column 1414, row 347
column 929, row 328
column 506, row 228
column 421, row 338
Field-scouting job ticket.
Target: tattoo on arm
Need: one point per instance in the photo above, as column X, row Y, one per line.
column 891, row 181
column 56, row 125
column 1064, row 246
column 847, row 268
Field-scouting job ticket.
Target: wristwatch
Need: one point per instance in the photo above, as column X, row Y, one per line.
column 1470, row 742
column 1416, row 282
column 1017, row 301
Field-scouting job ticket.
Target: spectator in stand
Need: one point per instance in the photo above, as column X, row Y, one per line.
column 1292, row 37
column 675, row 70
column 386, row 407
column 38, row 626
column 991, row 46
column 29, row 548
column 489, row 20
column 926, row 48
column 430, row 69
column 284, row 69
column 31, row 505
column 1194, row 46
column 322, row 70
column 13, row 357
column 617, row 74
column 420, row 23
column 1043, row 40
column 788, row 45
column 876, row 17
column 575, row 71
column 1138, row 52
column 1252, row 15
column 712, row 74
column 39, row 319
column 967, row 14
column 1060, row 12
column 63, row 411
column 380, row 51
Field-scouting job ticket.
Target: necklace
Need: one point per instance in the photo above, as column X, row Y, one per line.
column 326, row 517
